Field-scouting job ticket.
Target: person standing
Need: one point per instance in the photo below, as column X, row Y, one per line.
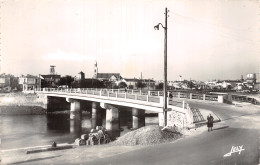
column 210, row 122
column 170, row 95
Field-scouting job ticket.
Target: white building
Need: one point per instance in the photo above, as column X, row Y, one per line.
column 29, row 82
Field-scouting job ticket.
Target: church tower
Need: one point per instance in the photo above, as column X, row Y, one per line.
column 95, row 70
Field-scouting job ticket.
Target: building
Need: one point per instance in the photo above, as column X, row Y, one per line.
column 80, row 76
column 5, row 83
column 5, row 80
column 230, row 84
column 131, row 82
column 95, row 70
column 29, row 82
column 8, row 82
column 109, row 76
column 149, row 83
column 51, row 80
column 201, row 85
column 106, row 76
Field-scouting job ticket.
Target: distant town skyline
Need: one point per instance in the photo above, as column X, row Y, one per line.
column 206, row 39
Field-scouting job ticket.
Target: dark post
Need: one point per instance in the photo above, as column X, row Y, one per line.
column 165, row 70
column 165, row 66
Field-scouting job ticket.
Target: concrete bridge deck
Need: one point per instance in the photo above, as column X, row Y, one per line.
column 133, row 99
column 178, row 113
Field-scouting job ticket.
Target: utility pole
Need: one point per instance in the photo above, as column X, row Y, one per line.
column 165, row 70
column 141, row 81
column 165, row 66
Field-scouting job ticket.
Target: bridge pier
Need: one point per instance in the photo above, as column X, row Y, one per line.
column 112, row 117
column 75, row 126
column 96, row 117
column 49, row 104
column 75, row 112
column 161, row 119
column 138, row 118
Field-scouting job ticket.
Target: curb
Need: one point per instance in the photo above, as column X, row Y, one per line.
column 49, row 149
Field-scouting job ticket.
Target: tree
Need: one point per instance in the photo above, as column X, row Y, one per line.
column 66, row 80
column 44, row 84
column 190, row 84
column 140, row 84
column 75, row 84
column 160, row 86
column 122, row 84
column 108, row 84
column 131, row 87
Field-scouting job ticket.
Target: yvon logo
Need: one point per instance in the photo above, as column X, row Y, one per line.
column 238, row 149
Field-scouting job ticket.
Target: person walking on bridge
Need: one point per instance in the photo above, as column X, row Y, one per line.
column 210, row 122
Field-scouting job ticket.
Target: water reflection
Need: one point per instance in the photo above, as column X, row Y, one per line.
column 58, row 122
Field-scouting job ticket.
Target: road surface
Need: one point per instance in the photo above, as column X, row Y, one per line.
column 240, row 127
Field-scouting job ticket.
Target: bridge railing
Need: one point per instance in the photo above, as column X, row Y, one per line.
column 243, row 98
column 133, row 94
column 175, row 103
column 211, row 97
column 130, row 94
column 180, row 106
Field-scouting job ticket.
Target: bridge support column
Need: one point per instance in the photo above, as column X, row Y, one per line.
column 161, row 119
column 138, row 118
column 96, row 118
column 75, row 112
column 49, row 104
column 112, row 122
column 75, row 126
column 112, row 117
column 220, row 99
column 204, row 97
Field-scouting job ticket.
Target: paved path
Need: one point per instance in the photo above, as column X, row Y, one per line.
column 207, row 148
column 239, row 126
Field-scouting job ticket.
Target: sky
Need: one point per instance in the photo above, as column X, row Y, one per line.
column 216, row 39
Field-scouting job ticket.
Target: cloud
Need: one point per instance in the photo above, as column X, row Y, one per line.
column 67, row 56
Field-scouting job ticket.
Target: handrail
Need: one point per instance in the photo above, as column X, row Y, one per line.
column 133, row 95
column 130, row 94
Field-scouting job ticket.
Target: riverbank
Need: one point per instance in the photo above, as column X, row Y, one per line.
column 21, row 110
column 148, row 136
column 22, row 104
column 84, row 154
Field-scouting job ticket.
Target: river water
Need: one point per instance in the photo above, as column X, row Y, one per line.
column 38, row 130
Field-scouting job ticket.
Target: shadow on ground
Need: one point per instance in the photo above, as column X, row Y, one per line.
column 220, row 128
column 240, row 116
column 32, row 160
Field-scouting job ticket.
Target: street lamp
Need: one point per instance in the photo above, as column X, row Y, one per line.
column 165, row 66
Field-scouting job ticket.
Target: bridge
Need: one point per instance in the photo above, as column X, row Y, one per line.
column 112, row 101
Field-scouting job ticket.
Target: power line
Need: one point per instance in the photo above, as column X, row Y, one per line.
column 212, row 24
column 211, row 28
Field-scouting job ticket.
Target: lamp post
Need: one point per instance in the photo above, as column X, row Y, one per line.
column 165, row 66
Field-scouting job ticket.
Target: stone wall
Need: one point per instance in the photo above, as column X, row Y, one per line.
column 177, row 119
column 21, row 110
